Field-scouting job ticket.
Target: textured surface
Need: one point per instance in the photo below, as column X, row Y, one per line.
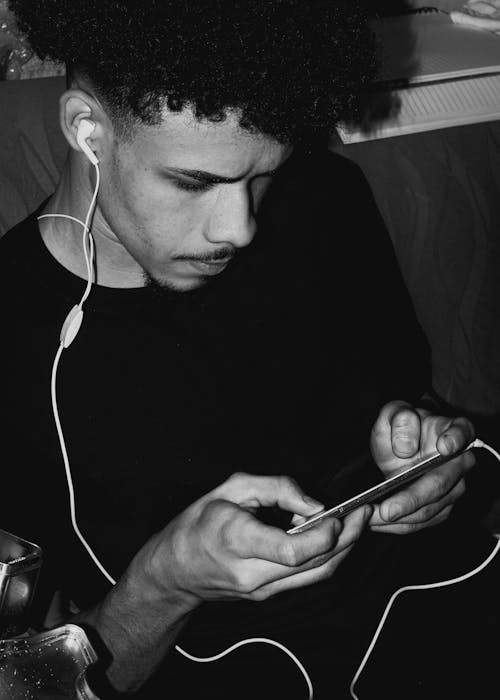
column 439, row 193
column 32, row 148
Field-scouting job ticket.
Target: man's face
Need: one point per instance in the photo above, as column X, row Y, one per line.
column 181, row 197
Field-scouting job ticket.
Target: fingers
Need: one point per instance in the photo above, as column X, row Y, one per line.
column 351, row 530
column 251, row 491
column 396, row 432
column 247, row 538
column 402, row 434
column 458, row 434
column 431, row 513
column 318, row 568
column 382, row 426
column 354, row 524
column 302, row 578
column 253, row 539
column 404, row 528
column 405, row 432
column 429, row 489
column 402, row 431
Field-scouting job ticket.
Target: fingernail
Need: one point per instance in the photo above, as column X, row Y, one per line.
column 404, row 444
column 394, row 512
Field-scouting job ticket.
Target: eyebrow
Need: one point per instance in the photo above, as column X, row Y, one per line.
column 212, row 178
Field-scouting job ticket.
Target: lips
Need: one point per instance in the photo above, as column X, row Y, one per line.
column 210, row 268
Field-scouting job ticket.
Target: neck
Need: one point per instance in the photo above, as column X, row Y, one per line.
column 114, row 266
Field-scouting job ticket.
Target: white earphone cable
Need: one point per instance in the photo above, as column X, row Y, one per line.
column 87, row 240
column 88, row 248
column 423, row 587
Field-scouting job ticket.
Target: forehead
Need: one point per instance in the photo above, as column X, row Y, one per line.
column 182, row 140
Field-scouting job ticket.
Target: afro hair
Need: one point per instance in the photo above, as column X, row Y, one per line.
column 290, row 68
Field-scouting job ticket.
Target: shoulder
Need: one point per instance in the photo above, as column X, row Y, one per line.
column 19, row 252
column 319, row 173
column 321, row 206
column 320, row 192
column 17, row 242
column 334, row 248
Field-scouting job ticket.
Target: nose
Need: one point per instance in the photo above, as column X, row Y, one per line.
column 232, row 221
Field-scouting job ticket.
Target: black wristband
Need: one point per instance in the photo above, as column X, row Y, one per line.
column 96, row 676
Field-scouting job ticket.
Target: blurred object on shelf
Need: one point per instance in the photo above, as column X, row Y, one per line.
column 46, row 666
column 445, row 5
column 36, row 665
column 17, row 60
column 20, row 563
column 14, row 50
column 479, row 14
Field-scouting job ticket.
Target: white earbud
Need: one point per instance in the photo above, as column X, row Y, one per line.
column 85, row 128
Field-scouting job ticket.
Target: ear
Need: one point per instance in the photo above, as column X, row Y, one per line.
column 75, row 106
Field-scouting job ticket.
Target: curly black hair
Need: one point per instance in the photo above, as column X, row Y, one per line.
column 288, row 67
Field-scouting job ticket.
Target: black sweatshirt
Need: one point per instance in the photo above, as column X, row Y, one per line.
column 278, row 366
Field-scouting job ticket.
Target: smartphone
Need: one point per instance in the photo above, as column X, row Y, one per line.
column 379, row 491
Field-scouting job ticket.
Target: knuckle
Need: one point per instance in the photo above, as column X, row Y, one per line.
column 331, row 566
column 287, row 554
column 439, row 517
column 461, row 488
column 211, row 510
column 279, row 481
column 259, row 595
column 426, row 513
column 291, row 482
column 244, row 582
column 327, row 570
column 440, row 483
column 285, row 483
column 406, row 528
column 320, row 561
column 238, row 476
column 445, row 512
column 441, row 423
column 410, row 504
column 226, row 538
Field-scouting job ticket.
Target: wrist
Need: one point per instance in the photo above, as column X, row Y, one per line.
column 157, row 576
column 133, row 628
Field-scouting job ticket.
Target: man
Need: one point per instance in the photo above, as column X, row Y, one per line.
column 247, row 333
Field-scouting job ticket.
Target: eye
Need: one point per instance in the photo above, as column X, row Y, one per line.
column 192, row 186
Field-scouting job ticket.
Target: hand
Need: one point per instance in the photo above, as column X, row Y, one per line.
column 217, row 549
column 403, row 434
